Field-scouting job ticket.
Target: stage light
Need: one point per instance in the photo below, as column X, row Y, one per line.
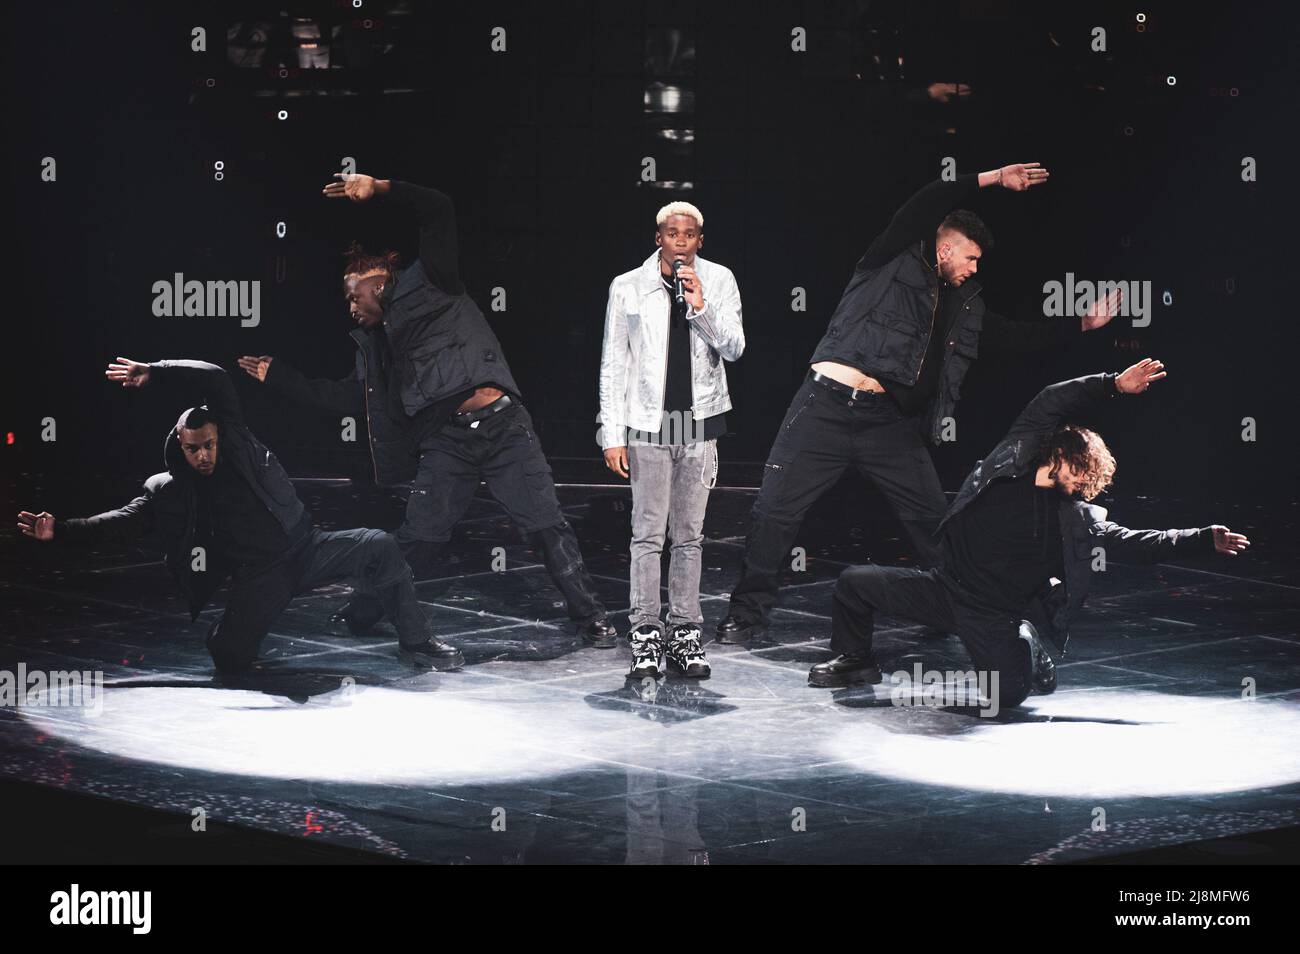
column 1090, row 744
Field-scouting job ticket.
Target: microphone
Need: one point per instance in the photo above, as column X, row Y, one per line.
column 679, row 293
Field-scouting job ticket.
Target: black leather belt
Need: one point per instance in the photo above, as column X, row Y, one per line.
column 470, row 418
column 841, row 388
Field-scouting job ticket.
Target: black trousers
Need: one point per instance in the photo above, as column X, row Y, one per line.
column 504, row 452
column 931, row 597
column 825, row 431
column 259, row 594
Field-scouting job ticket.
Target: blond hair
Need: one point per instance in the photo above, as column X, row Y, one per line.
column 679, row 208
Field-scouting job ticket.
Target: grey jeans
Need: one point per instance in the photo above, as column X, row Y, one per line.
column 670, row 490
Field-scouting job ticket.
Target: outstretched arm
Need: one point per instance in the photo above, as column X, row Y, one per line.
column 204, row 382
column 1059, row 402
column 123, row 525
column 439, row 245
column 333, row 397
column 920, row 216
column 1153, row 546
column 1003, row 333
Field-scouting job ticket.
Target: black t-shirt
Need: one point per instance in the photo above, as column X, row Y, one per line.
column 679, row 425
column 233, row 521
column 1006, row 543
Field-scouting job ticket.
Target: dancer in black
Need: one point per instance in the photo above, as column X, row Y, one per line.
column 441, row 405
column 1020, row 523
column 886, row 377
column 224, row 507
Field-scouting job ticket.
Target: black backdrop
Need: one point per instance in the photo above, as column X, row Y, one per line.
column 798, row 159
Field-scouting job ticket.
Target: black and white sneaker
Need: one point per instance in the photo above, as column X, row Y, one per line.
column 647, row 644
column 686, row 653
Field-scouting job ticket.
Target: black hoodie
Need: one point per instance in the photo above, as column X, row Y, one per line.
column 169, row 505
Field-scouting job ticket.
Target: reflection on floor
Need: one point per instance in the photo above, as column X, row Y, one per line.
column 540, row 750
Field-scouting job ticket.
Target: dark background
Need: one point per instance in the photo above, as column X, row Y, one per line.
column 798, row 160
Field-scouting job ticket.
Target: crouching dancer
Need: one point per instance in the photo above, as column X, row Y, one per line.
column 225, row 507
column 1020, row 519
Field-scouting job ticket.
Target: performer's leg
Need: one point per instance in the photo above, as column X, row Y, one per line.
column 441, row 493
column 894, row 457
column 1002, row 659
column 693, row 472
column 257, row 598
column 811, row 451
column 374, row 559
column 650, row 470
column 861, row 592
column 519, row 477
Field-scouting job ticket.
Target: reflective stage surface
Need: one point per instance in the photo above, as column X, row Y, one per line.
column 541, row 751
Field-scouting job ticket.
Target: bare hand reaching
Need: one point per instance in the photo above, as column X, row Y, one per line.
column 37, row 526
column 352, row 186
column 256, row 365
column 1138, row 378
column 1227, row 542
column 1019, row 176
column 1101, row 312
column 132, row 374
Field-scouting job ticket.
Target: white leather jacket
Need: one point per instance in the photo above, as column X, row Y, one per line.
column 634, row 357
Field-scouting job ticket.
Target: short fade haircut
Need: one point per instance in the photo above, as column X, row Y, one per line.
column 195, row 418
column 679, row 208
column 968, row 224
column 1085, row 452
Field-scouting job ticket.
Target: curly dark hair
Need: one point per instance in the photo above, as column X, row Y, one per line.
column 970, row 225
column 358, row 261
column 1085, row 452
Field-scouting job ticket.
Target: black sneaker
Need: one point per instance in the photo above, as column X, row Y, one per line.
column 647, row 651
column 686, row 653
column 432, row 654
column 1043, row 675
column 845, row 671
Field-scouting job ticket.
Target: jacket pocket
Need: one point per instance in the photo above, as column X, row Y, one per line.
column 434, row 370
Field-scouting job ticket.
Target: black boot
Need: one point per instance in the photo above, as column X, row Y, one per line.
column 1043, row 676
column 845, row 671
column 600, row 633
column 432, row 654
column 738, row 631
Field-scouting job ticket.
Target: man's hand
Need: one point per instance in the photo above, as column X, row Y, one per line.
column 355, row 186
column 1101, row 312
column 942, row 92
column 1138, row 378
column 38, row 526
column 256, row 365
column 692, row 287
column 1225, row 541
column 132, row 374
column 1020, row 176
column 616, row 460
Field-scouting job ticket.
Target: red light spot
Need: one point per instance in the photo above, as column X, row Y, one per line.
column 311, row 827
column 9, row 437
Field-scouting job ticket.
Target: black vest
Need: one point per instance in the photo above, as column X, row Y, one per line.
column 441, row 343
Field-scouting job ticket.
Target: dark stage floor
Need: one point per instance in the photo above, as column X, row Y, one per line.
column 342, row 745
